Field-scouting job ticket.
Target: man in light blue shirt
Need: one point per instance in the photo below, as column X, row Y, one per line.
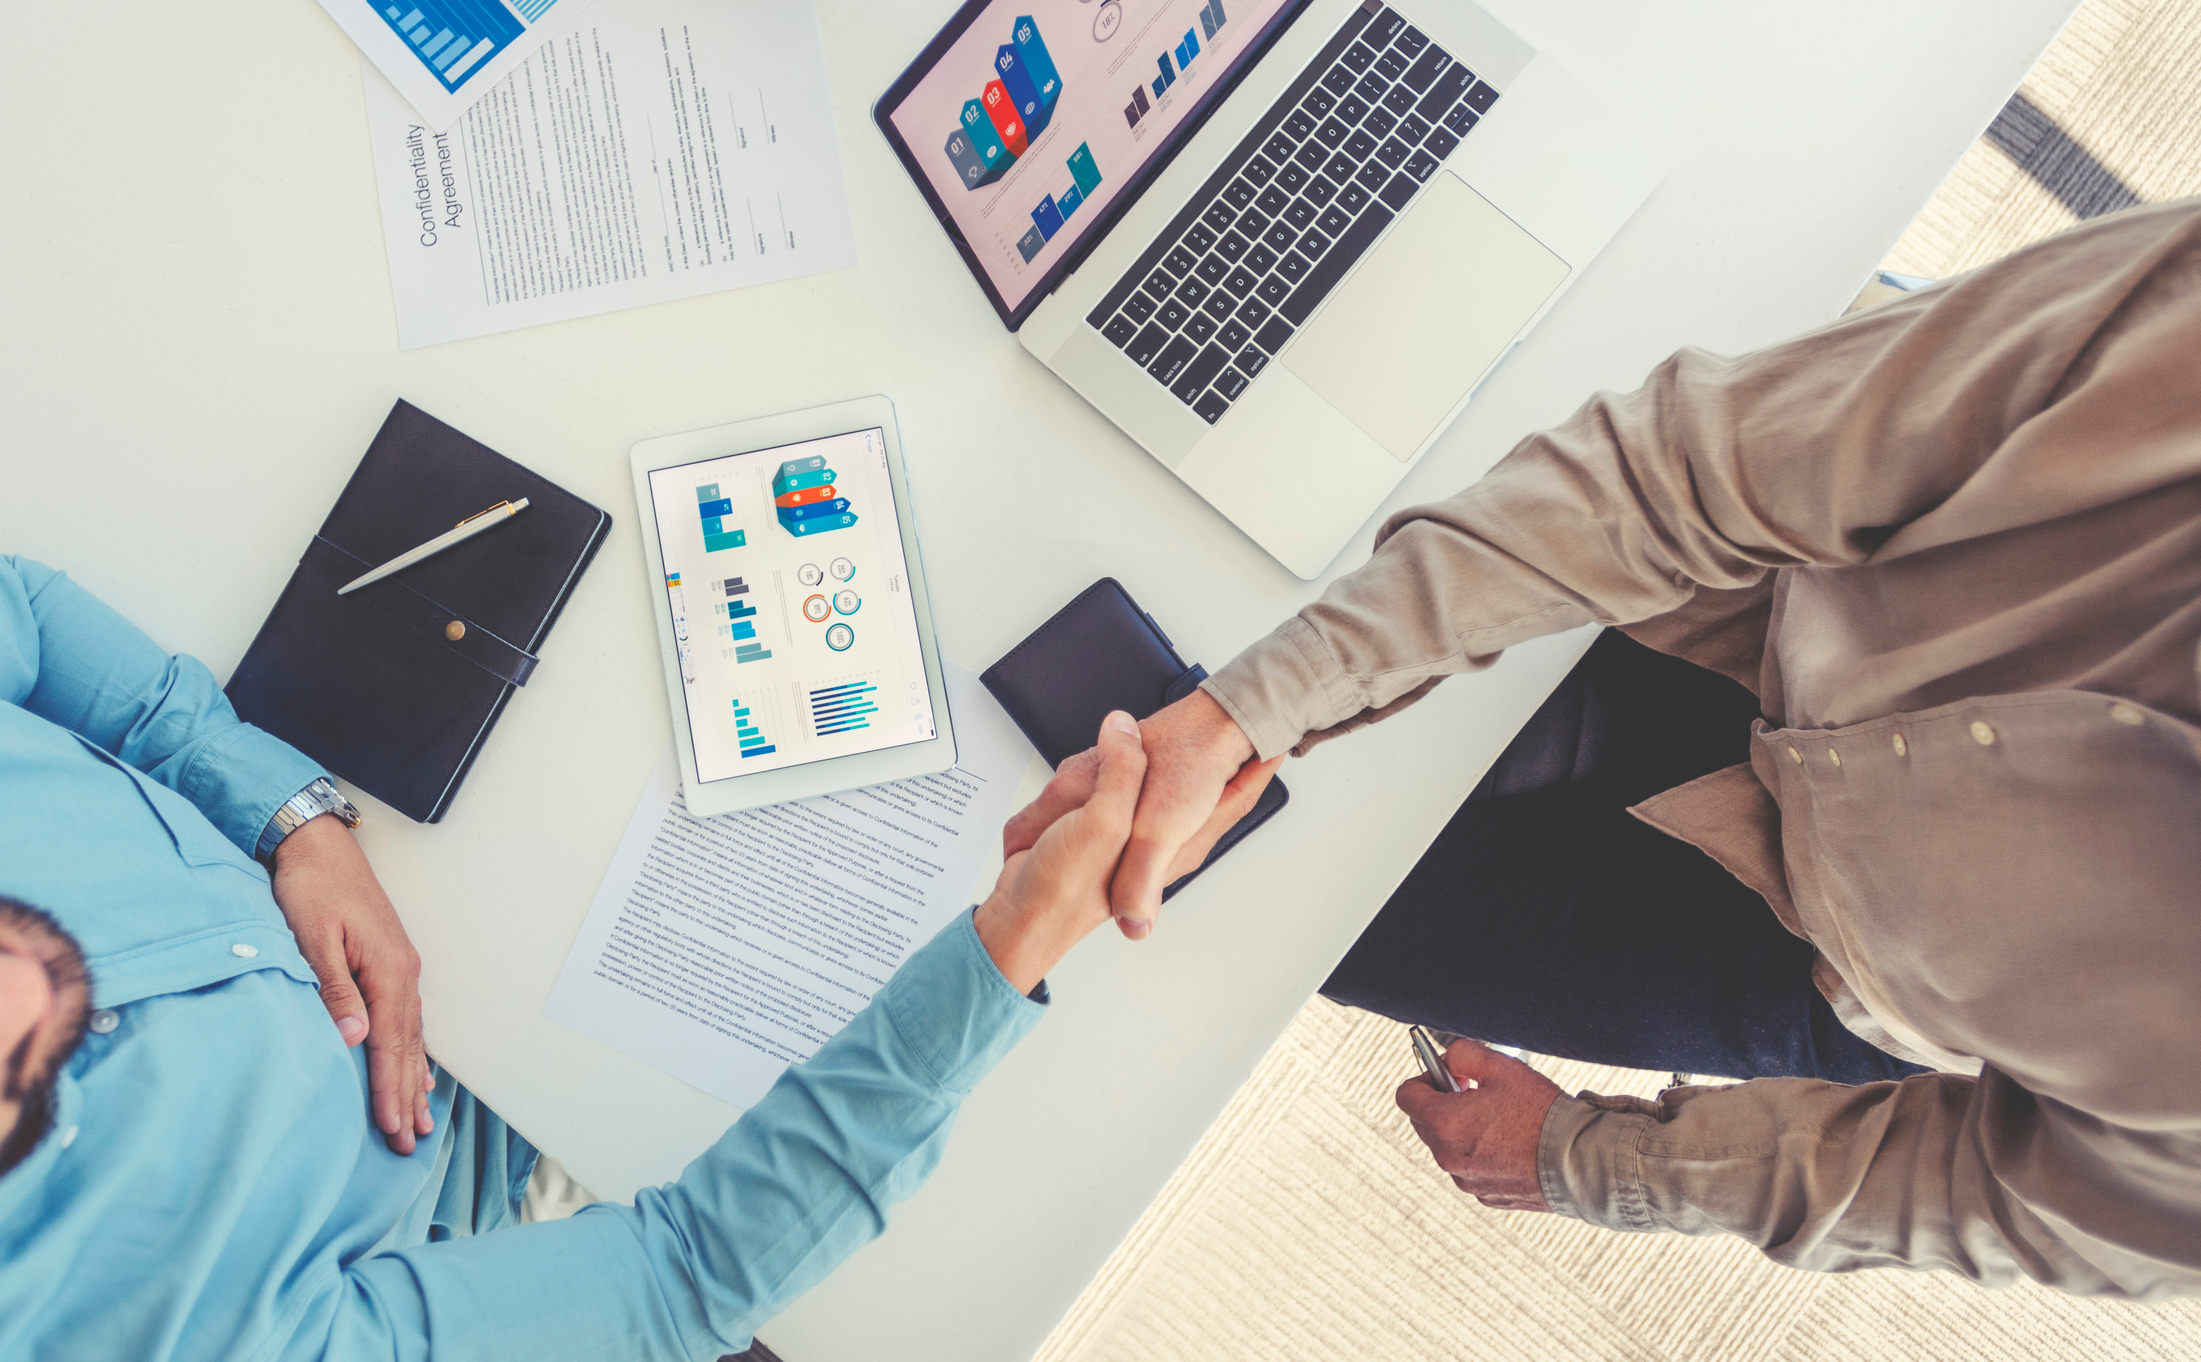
column 187, row 1164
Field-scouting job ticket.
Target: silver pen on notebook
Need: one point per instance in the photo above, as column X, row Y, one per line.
column 1432, row 1060
column 466, row 529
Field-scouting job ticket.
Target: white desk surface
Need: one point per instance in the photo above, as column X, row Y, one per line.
column 199, row 342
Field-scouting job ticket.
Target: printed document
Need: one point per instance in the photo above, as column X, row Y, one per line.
column 722, row 950
column 442, row 55
column 659, row 149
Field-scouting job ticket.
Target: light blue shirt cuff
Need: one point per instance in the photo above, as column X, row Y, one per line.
column 955, row 1010
column 240, row 778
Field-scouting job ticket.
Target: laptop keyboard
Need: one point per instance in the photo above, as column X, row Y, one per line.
column 1291, row 210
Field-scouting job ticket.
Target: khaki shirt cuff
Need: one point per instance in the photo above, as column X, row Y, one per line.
column 1284, row 686
column 1589, row 1160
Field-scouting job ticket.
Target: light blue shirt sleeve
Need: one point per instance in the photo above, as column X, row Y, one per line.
column 68, row 658
column 692, row 1269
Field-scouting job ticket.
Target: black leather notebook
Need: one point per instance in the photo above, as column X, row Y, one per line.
column 396, row 686
column 1100, row 653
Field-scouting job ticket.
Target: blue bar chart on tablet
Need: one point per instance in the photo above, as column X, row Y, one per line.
column 715, row 509
column 753, row 743
column 455, row 38
column 842, row 709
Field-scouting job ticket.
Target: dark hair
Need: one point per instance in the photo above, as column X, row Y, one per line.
column 66, row 970
column 34, row 1120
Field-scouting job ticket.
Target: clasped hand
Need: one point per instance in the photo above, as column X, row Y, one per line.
column 1164, row 801
column 1485, row 1137
column 1199, row 778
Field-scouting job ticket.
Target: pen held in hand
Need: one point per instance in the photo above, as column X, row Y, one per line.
column 1432, row 1061
column 465, row 530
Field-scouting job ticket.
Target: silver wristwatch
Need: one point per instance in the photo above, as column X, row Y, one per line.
column 316, row 799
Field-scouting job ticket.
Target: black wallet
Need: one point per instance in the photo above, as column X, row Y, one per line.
column 396, row 686
column 1101, row 653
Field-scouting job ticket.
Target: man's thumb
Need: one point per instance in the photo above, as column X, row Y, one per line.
column 1471, row 1059
column 338, row 993
column 1122, row 771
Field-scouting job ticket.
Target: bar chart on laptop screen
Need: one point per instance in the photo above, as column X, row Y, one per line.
column 1176, row 58
column 1011, row 109
column 1029, row 128
column 456, row 38
column 1056, row 209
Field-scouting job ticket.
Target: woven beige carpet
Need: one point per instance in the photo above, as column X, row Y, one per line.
column 1310, row 1224
column 2123, row 84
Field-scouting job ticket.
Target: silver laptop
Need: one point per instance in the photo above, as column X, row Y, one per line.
column 1279, row 244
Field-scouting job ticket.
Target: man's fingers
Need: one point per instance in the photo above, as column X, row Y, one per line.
column 386, row 1071
column 1421, row 1102
column 1239, row 797
column 1244, row 789
column 396, row 1073
column 397, row 1067
column 1071, row 786
column 338, row 993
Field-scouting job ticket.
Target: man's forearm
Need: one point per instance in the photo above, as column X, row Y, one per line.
column 694, row 1268
column 1830, row 1178
column 82, row 666
column 1818, row 451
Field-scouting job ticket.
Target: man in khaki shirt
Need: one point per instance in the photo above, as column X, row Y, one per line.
column 1953, row 545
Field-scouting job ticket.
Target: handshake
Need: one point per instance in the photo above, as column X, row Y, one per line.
column 1116, row 825
column 1143, row 807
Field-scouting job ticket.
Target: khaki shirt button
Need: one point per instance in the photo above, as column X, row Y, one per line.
column 1902, row 748
column 455, row 630
column 1982, row 734
column 2126, row 714
column 1796, row 756
column 1834, row 756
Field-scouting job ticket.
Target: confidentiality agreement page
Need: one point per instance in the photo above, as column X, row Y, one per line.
column 656, row 150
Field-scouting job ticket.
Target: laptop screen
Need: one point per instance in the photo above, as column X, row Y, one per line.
column 1040, row 113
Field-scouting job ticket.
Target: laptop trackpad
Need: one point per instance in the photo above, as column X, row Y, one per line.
column 1426, row 315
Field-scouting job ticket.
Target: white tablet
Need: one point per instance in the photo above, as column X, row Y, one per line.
column 791, row 607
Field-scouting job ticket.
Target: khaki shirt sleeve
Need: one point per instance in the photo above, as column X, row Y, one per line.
column 1937, row 1171
column 1885, row 434
column 1879, row 434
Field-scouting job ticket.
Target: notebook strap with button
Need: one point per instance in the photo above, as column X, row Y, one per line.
column 452, row 630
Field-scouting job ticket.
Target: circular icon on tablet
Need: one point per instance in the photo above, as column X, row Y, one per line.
column 842, row 569
column 1106, row 20
column 816, row 610
column 839, row 638
column 809, row 575
column 846, row 601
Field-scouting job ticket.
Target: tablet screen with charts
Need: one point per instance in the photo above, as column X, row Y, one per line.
column 794, row 622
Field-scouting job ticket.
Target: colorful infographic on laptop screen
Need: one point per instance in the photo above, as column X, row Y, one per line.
column 791, row 605
column 1043, row 109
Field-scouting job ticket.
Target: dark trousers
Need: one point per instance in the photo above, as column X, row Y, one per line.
column 1548, row 917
